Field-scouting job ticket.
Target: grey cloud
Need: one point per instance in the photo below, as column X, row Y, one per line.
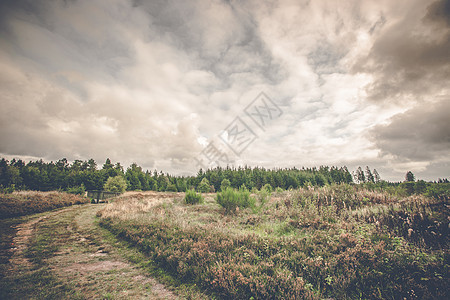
column 410, row 57
column 61, row 37
column 325, row 58
column 419, row 134
column 439, row 11
column 221, row 36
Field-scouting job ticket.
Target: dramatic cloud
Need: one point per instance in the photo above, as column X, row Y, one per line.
column 410, row 58
column 154, row 82
column 419, row 135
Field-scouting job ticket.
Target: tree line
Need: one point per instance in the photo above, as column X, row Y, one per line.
column 87, row 175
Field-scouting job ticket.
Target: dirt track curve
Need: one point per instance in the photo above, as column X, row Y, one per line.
column 79, row 258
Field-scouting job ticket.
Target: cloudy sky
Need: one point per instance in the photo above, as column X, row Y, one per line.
column 170, row 84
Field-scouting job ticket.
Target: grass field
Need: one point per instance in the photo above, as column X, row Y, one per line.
column 331, row 242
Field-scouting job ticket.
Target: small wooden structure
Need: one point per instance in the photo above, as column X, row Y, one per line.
column 101, row 196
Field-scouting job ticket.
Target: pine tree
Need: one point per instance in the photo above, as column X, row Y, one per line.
column 369, row 175
column 360, row 178
column 203, row 187
column 376, row 176
column 410, row 176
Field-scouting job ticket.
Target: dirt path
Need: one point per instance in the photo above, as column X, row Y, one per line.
column 65, row 254
column 19, row 244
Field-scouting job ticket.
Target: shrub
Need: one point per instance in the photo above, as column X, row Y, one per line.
column 116, row 184
column 172, row 188
column 78, row 190
column 231, row 199
column 191, row 197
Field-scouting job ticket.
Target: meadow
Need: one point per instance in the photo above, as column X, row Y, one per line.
column 337, row 241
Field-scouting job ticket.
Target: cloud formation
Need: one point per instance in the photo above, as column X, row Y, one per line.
column 153, row 82
column 410, row 58
column 419, row 134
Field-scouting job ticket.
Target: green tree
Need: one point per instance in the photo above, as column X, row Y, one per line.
column 376, row 176
column 204, row 187
column 171, row 187
column 225, row 184
column 369, row 175
column 133, row 177
column 408, row 186
column 359, row 177
column 116, row 184
column 410, row 176
column 420, row 187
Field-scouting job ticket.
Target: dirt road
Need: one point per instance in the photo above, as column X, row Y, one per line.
column 64, row 254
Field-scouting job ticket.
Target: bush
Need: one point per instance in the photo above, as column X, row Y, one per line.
column 191, row 197
column 172, row 188
column 231, row 199
column 78, row 190
column 116, row 184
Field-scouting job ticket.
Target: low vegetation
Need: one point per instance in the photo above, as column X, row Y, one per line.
column 232, row 200
column 191, row 197
column 339, row 241
column 25, row 203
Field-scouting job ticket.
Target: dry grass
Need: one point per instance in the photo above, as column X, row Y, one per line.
column 30, row 202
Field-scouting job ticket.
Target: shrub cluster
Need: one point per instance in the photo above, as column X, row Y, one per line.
column 191, row 197
column 232, row 199
column 26, row 203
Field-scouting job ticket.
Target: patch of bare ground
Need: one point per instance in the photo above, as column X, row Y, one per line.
column 24, row 232
column 94, row 268
column 20, row 241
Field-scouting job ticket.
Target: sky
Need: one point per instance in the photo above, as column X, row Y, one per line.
column 179, row 85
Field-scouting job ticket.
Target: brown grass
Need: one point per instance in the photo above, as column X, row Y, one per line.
column 31, row 202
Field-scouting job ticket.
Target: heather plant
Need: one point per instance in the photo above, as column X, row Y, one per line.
column 191, row 197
